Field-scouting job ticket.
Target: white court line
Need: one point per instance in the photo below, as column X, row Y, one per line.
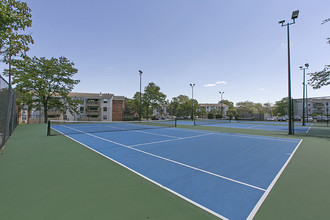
column 176, row 139
column 260, row 137
column 262, row 199
column 173, row 161
column 145, row 132
column 308, row 130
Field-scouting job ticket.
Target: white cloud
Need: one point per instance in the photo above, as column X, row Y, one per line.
column 216, row 83
column 261, row 89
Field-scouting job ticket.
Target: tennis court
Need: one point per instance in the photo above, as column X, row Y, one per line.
column 228, row 175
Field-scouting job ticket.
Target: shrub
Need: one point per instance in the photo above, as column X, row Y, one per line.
column 218, row 116
column 210, row 116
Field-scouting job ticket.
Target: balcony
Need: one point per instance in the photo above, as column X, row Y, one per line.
column 93, row 112
column 93, row 102
column 53, row 112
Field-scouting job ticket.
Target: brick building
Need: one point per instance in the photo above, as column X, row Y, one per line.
column 93, row 107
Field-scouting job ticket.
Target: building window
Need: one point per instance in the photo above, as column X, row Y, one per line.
column 105, row 109
column 105, row 100
column 81, row 109
column 105, row 117
column 65, row 117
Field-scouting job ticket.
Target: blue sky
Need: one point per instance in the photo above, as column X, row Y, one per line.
column 233, row 46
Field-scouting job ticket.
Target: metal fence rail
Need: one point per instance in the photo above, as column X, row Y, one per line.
column 8, row 113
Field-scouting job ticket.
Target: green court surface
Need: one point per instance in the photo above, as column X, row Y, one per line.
column 56, row 178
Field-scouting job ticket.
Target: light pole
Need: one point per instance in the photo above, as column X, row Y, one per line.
column 140, row 72
column 303, row 101
column 306, row 104
column 192, row 99
column 221, row 93
column 293, row 17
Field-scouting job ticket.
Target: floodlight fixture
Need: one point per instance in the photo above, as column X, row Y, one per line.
column 301, row 67
column 281, row 22
column 306, row 65
column 295, row 15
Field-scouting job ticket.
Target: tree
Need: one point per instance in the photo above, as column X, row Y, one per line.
column 24, row 99
column 15, row 17
column 152, row 97
column 281, row 107
column 321, row 78
column 246, row 107
column 49, row 81
column 231, row 112
column 182, row 106
column 228, row 103
column 268, row 108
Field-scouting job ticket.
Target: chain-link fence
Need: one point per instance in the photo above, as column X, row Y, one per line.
column 8, row 113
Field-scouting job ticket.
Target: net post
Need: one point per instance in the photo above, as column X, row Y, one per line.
column 175, row 122
column 48, row 128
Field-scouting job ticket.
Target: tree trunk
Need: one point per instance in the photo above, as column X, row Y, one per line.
column 45, row 112
column 147, row 112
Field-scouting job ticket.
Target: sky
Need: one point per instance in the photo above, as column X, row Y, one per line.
column 236, row 47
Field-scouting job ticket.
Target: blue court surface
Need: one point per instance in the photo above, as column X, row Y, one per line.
column 228, row 175
column 255, row 125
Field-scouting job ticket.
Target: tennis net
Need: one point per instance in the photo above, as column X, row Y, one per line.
column 56, row 127
column 221, row 121
column 210, row 121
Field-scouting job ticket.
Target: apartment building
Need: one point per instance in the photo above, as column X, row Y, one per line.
column 92, row 107
column 214, row 106
column 313, row 106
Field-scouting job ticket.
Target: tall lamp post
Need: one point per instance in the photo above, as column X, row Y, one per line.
column 221, row 93
column 293, row 17
column 140, row 73
column 303, row 101
column 306, row 104
column 192, row 99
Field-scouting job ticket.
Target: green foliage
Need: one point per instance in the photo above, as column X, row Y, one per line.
column 218, row 116
column 231, row 112
column 153, row 98
column 248, row 107
column 47, row 82
column 210, row 116
column 130, row 118
column 131, row 106
column 179, row 106
column 228, row 103
column 231, row 116
column 182, row 106
column 323, row 22
column 15, row 17
column 281, row 107
column 321, row 78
